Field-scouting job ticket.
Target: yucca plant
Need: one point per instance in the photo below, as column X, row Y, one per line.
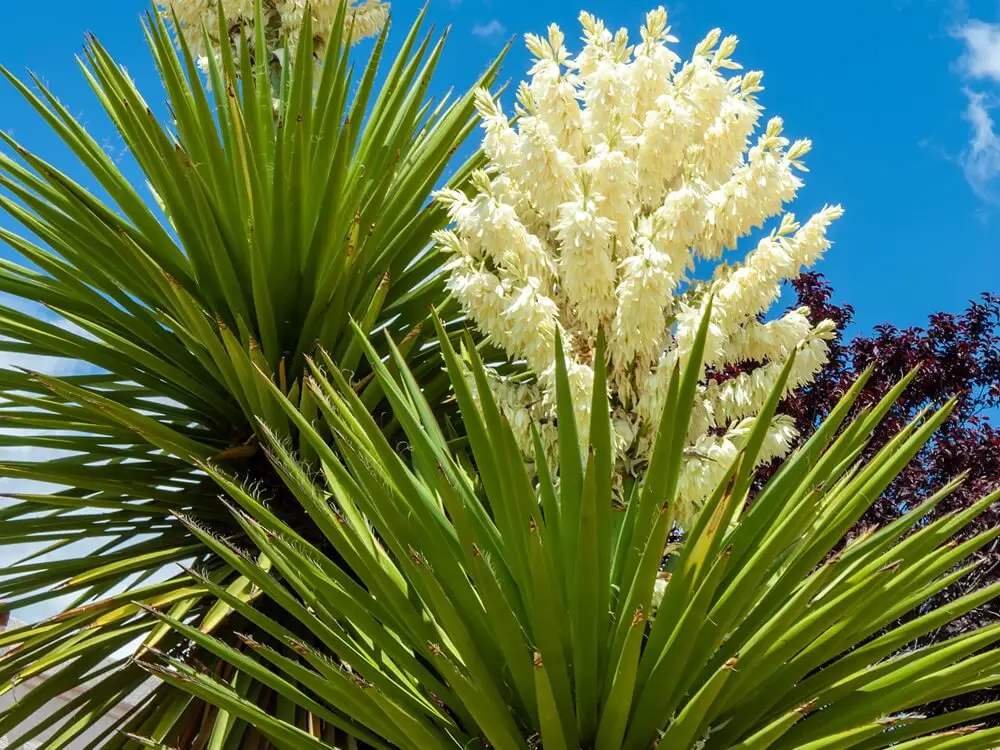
column 474, row 601
column 280, row 211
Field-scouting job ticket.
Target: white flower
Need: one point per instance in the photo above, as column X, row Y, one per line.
column 742, row 395
column 624, row 172
column 760, row 342
column 726, row 138
column 530, row 323
column 644, row 292
column 481, row 294
column 283, row 20
column 492, row 229
column 587, row 267
column 364, row 20
column 661, row 145
column 752, row 286
column 500, row 141
column 611, row 174
column 554, row 92
column 659, row 589
column 654, row 62
column 708, row 460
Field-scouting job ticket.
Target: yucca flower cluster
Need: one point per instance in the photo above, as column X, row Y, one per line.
column 283, row 20
column 624, row 170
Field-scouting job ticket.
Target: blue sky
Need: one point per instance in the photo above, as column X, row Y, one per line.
column 897, row 96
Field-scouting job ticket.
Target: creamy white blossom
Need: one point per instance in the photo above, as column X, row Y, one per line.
column 625, row 172
column 282, row 21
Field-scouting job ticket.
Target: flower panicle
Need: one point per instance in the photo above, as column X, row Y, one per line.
column 198, row 22
column 625, row 168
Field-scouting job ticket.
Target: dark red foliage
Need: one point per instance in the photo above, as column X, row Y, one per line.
column 959, row 357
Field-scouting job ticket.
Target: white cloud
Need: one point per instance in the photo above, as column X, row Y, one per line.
column 982, row 49
column 981, row 62
column 490, row 29
column 981, row 159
